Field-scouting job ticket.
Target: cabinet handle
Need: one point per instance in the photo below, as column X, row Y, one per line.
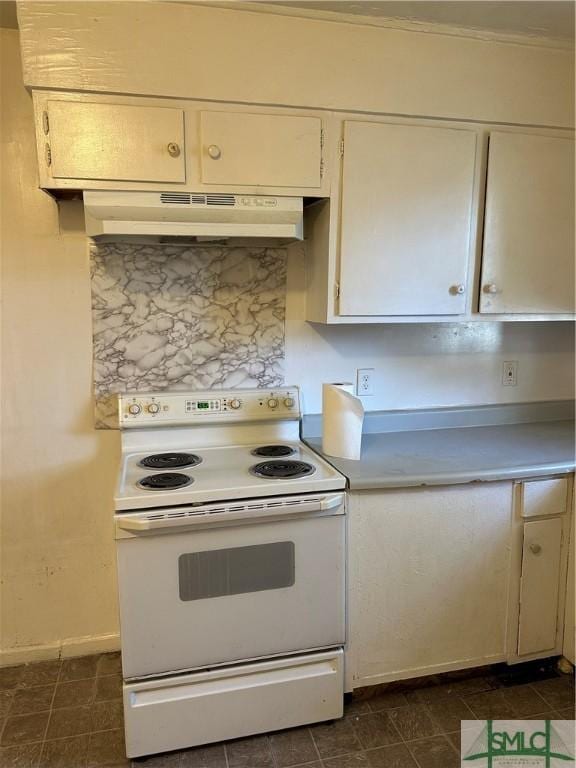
column 491, row 288
column 457, row 289
column 173, row 149
column 214, row 151
column 535, row 549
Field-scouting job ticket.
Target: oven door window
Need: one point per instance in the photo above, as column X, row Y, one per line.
column 235, row 571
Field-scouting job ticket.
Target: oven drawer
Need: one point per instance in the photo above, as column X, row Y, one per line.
column 197, row 597
column 192, row 709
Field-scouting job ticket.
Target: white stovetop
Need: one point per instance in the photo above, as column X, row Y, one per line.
column 224, row 474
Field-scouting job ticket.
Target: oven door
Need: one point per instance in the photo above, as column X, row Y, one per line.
column 222, row 584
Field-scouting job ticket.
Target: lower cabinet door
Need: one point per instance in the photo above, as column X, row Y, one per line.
column 539, row 588
column 429, row 571
column 218, row 704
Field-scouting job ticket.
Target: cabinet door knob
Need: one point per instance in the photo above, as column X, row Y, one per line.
column 173, row 149
column 535, row 549
column 214, row 151
column 491, row 288
column 457, row 289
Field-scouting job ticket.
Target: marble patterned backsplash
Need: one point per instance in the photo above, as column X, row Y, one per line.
column 183, row 318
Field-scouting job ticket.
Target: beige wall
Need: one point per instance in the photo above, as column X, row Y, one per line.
column 238, row 55
column 57, row 555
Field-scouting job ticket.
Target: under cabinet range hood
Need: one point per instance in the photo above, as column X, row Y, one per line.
column 163, row 216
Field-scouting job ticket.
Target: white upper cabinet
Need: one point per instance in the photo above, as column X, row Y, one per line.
column 114, row 142
column 406, row 222
column 141, row 144
column 528, row 255
column 243, row 149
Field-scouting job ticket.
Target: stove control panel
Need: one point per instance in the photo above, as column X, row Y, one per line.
column 187, row 408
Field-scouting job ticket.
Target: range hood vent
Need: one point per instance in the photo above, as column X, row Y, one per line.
column 185, row 198
column 181, row 198
column 130, row 215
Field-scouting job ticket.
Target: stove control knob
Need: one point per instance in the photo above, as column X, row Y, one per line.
column 134, row 409
column 153, row 408
column 272, row 403
column 289, row 402
column 235, row 404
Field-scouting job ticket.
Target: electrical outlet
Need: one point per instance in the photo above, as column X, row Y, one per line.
column 364, row 381
column 510, row 373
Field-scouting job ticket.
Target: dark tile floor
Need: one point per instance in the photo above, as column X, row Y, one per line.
column 68, row 714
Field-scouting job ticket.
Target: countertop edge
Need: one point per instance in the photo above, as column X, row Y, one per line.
column 482, row 476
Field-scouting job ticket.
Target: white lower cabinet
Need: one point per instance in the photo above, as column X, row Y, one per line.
column 539, row 586
column 538, row 590
column 569, row 627
column 445, row 578
column 429, row 572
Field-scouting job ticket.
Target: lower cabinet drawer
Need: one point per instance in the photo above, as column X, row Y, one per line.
column 542, row 498
column 202, row 707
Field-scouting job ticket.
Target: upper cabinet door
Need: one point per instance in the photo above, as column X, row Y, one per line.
column 407, row 193
column 116, row 142
column 528, row 261
column 244, row 149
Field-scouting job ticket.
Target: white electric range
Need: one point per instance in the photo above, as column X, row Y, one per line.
column 231, row 568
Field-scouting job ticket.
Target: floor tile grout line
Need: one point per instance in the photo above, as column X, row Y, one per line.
column 469, row 708
column 271, row 750
column 21, row 744
column 395, row 727
column 49, row 716
column 72, row 706
column 84, row 733
column 81, row 679
column 7, row 715
column 311, row 734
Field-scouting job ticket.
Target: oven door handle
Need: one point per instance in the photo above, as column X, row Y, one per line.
column 212, row 516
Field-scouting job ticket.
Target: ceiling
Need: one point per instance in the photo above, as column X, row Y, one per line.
column 544, row 18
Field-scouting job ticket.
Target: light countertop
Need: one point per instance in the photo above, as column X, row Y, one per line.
column 459, row 454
